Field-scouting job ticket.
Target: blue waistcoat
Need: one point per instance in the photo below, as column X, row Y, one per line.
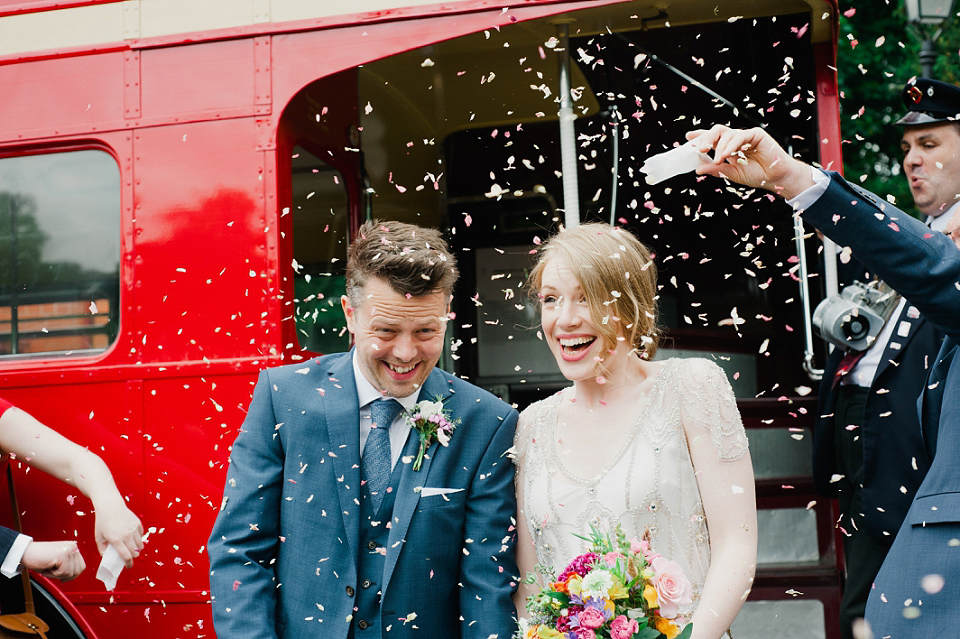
column 374, row 532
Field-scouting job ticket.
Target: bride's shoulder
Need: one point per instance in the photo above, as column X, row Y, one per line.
column 540, row 407
column 693, row 376
column 533, row 418
column 698, row 368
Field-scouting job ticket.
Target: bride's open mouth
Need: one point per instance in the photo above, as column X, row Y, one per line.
column 574, row 348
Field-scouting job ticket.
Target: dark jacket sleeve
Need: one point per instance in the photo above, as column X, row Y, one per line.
column 243, row 542
column 7, row 537
column 921, row 264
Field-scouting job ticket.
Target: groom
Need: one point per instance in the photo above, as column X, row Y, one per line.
column 326, row 528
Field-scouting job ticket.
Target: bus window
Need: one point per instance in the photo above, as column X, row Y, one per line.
column 59, row 252
column 320, row 217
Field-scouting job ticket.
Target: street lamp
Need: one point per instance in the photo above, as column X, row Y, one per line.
column 927, row 16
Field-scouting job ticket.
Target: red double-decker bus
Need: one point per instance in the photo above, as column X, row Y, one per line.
column 179, row 182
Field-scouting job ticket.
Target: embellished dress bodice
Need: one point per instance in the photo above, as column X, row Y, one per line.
column 647, row 483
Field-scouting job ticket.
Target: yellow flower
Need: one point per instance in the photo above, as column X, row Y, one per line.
column 543, row 632
column 573, row 584
column 608, row 607
column 618, row 590
column 650, row 596
column 666, row 627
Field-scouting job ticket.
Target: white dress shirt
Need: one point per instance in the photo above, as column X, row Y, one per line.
column 367, row 394
column 11, row 563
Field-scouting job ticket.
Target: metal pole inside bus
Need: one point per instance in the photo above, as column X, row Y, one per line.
column 568, row 136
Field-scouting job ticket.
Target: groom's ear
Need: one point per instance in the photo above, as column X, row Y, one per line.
column 349, row 313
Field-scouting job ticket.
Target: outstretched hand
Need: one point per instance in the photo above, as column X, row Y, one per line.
column 751, row 157
column 54, row 559
column 117, row 526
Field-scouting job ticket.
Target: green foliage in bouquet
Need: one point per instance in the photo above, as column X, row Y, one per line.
column 619, row 589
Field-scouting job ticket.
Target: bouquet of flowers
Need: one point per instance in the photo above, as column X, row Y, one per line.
column 619, row 589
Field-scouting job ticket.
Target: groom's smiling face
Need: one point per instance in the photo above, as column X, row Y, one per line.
column 398, row 338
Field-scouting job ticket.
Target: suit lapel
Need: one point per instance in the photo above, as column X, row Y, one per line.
column 891, row 354
column 343, row 428
column 408, row 492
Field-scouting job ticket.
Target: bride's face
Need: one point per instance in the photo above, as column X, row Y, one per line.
column 567, row 325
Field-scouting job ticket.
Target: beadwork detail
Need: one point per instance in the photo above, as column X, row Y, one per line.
column 649, row 483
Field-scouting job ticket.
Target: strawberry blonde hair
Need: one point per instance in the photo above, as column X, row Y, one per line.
column 618, row 279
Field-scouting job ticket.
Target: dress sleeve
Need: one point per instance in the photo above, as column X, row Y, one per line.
column 707, row 402
column 524, row 434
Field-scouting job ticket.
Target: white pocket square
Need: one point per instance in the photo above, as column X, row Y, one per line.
column 430, row 492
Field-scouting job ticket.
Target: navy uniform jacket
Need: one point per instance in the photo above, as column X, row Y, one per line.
column 895, row 460
column 922, row 570
column 7, row 537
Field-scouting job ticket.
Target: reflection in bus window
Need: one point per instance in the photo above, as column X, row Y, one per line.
column 320, row 252
column 59, row 252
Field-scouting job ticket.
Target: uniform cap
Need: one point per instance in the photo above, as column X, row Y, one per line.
column 930, row 101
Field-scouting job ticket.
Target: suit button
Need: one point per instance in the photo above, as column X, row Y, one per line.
column 362, row 625
column 372, row 545
column 349, row 591
column 366, row 583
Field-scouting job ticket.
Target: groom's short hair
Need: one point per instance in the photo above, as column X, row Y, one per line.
column 412, row 259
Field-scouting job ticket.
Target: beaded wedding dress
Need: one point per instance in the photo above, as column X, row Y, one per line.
column 648, row 483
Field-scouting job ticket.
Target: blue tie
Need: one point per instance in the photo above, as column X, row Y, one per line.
column 377, row 461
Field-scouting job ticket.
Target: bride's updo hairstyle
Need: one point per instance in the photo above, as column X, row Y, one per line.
column 618, row 279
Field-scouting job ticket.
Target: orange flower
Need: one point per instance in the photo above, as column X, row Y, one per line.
column 650, row 596
column 666, row 627
column 559, row 586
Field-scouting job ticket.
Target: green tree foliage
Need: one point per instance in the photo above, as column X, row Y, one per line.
column 877, row 53
column 20, row 238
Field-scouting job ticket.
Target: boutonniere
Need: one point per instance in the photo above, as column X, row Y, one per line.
column 431, row 420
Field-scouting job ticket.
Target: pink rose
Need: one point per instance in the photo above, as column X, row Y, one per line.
column 623, row 628
column 673, row 587
column 612, row 557
column 591, row 618
column 642, row 547
column 586, row 633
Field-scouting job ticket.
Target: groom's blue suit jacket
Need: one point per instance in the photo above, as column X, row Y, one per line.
column 284, row 549
column 923, row 266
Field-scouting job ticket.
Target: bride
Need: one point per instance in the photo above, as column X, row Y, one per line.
column 644, row 444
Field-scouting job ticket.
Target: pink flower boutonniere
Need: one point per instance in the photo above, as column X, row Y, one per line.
column 431, row 420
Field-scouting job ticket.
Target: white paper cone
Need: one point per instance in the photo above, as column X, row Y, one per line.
column 680, row 159
column 110, row 568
